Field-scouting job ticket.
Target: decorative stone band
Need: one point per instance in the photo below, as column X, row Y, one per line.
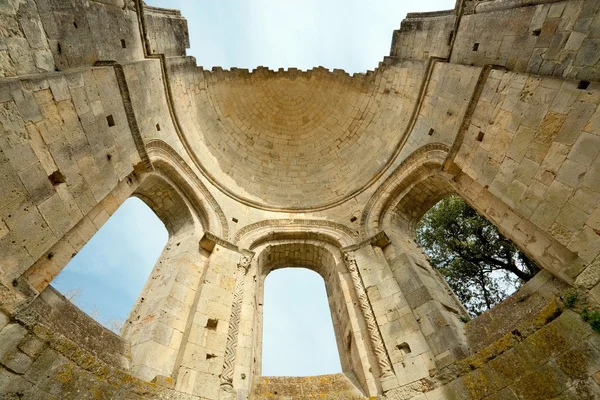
column 234, row 323
column 383, row 360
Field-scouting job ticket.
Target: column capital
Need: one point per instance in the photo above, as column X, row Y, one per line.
column 245, row 261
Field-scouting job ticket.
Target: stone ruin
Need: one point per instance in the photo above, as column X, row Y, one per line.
column 250, row 171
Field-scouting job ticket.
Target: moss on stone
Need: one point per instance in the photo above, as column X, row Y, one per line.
column 543, row 383
column 574, row 364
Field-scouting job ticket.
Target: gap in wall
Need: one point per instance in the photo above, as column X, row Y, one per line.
column 298, row 335
column 105, row 278
column 472, row 255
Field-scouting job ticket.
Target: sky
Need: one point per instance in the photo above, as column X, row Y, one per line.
column 298, row 332
column 105, row 278
column 354, row 35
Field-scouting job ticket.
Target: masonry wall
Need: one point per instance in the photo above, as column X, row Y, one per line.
column 542, row 154
column 503, row 111
column 83, row 360
column 66, row 145
column 558, row 39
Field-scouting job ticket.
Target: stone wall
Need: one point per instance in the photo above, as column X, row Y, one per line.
column 557, row 39
column 531, row 141
column 553, row 355
column 326, row 387
column 66, row 145
column 52, row 350
column 496, row 101
column 166, row 31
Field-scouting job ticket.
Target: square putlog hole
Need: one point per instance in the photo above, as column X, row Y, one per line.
column 212, row 323
column 404, row 347
column 480, row 136
column 430, row 133
column 123, row 44
column 57, row 178
column 475, row 46
column 110, row 120
column 583, row 85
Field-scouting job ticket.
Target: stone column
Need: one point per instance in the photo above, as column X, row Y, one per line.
column 440, row 315
column 405, row 346
column 156, row 326
column 232, row 335
column 209, row 347
column 383, row 360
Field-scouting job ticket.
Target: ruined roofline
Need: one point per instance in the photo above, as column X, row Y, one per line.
column 165, row 11
column 430, row 14
column 293, row 72
column 217, row 72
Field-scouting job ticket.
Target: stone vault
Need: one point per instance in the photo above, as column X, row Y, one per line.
column 495, row 100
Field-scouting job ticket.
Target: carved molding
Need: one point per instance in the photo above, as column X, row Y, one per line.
column 343, row 233
column 433, row 153
column 291, row 222
column 171, row 155
column 385, row 366
column 234, row 325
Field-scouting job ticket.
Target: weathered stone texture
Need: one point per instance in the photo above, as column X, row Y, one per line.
column 327, row 387
column 496, row 101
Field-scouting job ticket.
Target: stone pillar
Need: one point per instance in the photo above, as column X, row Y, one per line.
column 157, row 323
column 440, row 315
column 227, row 389
column 406, row 348
column 210, row 340
column 381, row 354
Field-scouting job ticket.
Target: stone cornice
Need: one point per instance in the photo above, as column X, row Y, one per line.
column 380, row 239
column 210, row 240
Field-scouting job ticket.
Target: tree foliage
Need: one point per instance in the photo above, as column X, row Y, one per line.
column 480, row 265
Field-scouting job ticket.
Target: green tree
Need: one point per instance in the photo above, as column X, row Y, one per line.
column 481, row 266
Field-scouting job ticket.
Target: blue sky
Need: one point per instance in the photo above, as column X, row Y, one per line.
column 297, row 329
column 353, row 35
column 108, row 274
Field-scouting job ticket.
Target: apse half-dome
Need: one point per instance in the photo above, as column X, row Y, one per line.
column 294, row 140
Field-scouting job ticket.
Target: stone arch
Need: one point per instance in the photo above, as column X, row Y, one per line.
column 314, row 255
column 165, row 158
column 427, row 189
column 165, row 189
column 420, row 182
column 166, row 202
column 176, row 197
column 253, row 235
column 323, row 255
column 396, row 208
column 423, row 161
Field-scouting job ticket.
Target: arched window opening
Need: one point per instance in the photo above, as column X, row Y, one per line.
column 105, row 278
column 481, row 265
column 298, row 334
